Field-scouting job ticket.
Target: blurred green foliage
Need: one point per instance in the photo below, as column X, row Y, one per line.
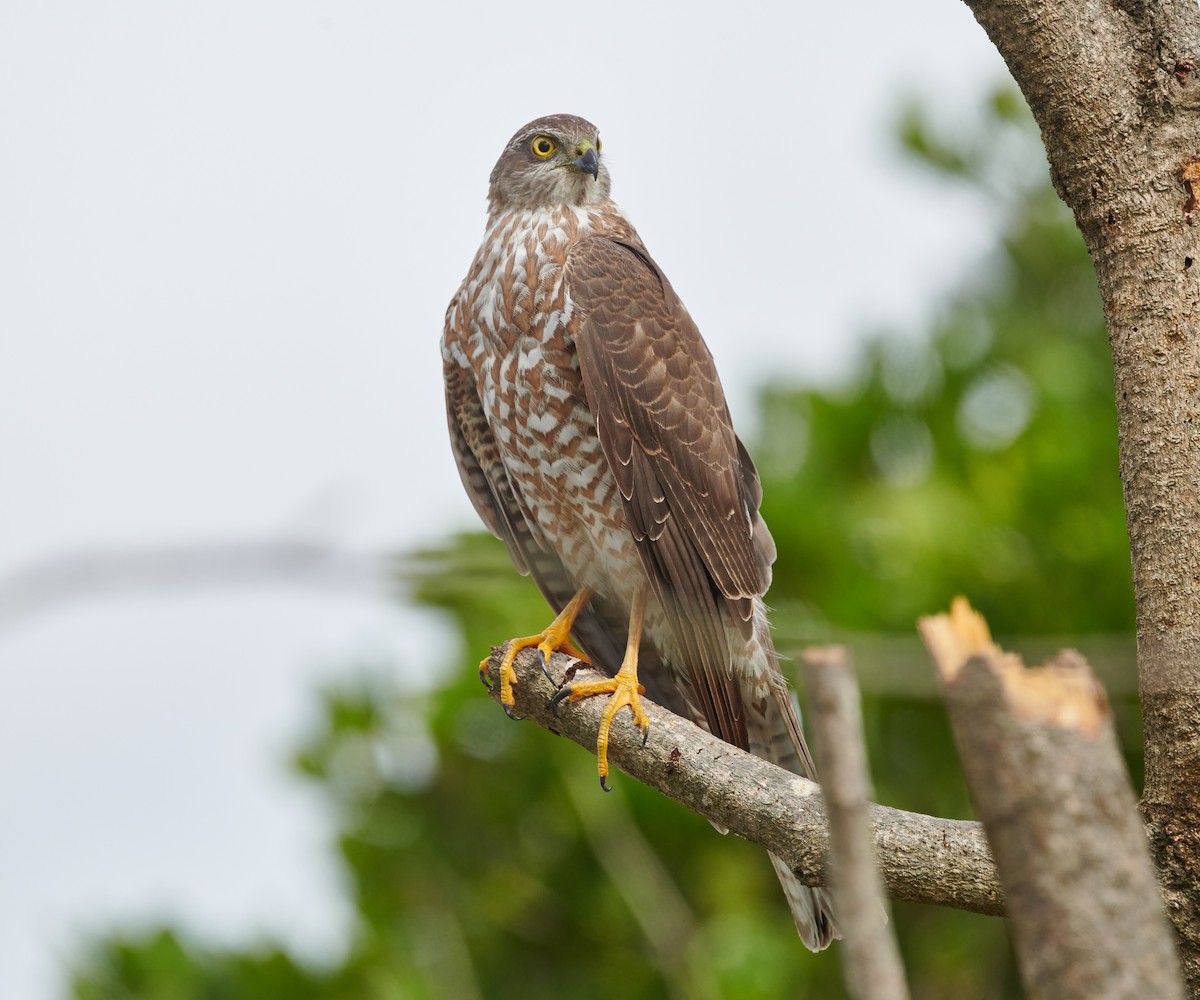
column 979, row 458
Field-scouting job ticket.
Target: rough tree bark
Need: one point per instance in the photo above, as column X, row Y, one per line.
column 1114, row 87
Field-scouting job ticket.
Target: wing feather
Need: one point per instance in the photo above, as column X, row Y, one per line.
column 480, row 467
column 691, row 493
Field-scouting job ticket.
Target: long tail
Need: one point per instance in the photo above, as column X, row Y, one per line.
column 773, row 727
column 811, row 908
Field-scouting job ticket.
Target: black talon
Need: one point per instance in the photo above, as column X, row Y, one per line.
column 561, row 695
column 646, row 734
column 546, row 667
column 604, row 785
column 483, row 667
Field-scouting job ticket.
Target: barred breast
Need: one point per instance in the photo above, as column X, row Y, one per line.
column 512, row 324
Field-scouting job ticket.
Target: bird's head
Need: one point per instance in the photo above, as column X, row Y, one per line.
column 554, row 161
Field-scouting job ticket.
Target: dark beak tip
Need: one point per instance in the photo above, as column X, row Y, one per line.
column 589, row 163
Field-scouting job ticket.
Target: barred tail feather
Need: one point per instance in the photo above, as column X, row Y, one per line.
column 811, row 908
column 773, row 727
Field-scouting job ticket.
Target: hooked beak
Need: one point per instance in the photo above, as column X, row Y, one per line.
column 588, row 163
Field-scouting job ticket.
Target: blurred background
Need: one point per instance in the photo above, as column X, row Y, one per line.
column 244, row 751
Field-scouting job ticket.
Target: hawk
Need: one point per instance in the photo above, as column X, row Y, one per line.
column 592, row 436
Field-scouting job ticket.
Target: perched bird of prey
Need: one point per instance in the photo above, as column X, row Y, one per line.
column 592, row 435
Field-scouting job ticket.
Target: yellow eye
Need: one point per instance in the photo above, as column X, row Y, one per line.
column 542, row 147
column 599, row 144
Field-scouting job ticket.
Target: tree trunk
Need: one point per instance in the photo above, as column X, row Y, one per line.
column 1114, row 87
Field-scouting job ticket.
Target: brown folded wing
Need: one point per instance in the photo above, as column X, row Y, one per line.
column 691, row 492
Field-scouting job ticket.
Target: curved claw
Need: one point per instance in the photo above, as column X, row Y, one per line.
column 561, row 695
column 556, row 636
column 546, row 663
column 645, row 734
column 483, row 672
column 604, row 785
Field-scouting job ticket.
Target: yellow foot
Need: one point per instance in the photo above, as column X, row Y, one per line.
column 623, row 688
column 556, row 637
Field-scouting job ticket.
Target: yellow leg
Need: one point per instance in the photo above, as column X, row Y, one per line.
column 624, row 689
column 554, row 638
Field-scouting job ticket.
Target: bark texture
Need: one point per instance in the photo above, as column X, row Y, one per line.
column 923, row 859
column 1049, row 782
column 1114, row 87
column 869, row 953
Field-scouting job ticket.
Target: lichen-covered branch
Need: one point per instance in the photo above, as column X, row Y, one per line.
column 922, row 858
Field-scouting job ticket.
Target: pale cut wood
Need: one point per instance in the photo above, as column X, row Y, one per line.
column 1049, row 782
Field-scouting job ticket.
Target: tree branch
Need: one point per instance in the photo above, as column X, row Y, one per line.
column 49, row 582
column 869, row 954
column 923, row 859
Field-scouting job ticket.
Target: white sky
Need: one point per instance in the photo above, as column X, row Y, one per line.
column 228, row 234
